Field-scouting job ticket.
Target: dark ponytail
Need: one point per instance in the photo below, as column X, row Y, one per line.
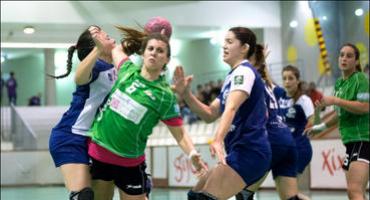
column 261, row 64
column 85, row 44
column 71, row 50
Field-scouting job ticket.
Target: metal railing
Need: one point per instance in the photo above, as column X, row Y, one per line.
column 22, row 135
column 5, row 124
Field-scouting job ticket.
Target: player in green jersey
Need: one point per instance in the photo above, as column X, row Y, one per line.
column 139, row 99
column 351, row 103
column 132, row 43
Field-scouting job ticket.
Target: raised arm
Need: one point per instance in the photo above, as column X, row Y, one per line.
column 182, row 87
column 207, row 113
column 103, row 47
column 84, row 69
column 118, row 56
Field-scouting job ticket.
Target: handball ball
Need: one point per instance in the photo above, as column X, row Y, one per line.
column 156, row 24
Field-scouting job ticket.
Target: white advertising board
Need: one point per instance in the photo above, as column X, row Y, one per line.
column 181, row 172
column 326, row 164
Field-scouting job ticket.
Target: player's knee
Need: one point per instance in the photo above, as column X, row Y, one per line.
column 84, row 194
column 200, row 196
column 245, row 195
column 355, row 193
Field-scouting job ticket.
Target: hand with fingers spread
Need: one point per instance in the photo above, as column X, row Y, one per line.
column 266, row 51
column 181, row 84
column 200, row 166
column 217, row 149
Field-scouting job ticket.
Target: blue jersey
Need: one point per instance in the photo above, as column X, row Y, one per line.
column 248, row 126
column 278, row 131
column 296, row 114
column 87, row 99
column 279, row 92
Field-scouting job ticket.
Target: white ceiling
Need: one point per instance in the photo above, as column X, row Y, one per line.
column 63, row 21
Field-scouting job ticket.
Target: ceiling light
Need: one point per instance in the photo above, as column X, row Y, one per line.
column 213, row 40
column 359, row 12
column 324, row 18
column 28, row 30
column 293, row 24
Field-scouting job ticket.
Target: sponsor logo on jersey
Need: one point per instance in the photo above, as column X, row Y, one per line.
column 238, row 79
column 232, row 128
column 291, row 113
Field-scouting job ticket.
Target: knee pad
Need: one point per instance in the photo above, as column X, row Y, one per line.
column 85, row 194
column 192, row 195
column 200, row 196
column 245, row 195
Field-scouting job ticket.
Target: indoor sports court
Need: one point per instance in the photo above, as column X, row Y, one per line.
column 43, row 39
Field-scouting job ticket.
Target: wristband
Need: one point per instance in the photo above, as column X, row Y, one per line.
column 319, row 127
column 192, row 153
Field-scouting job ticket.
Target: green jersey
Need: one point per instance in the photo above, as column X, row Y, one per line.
column 353, row 127
column 134, row 107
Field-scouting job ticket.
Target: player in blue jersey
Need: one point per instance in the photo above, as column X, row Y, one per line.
column 284, row 155
column 68, row 139
column 241, row 131
column 297, row 111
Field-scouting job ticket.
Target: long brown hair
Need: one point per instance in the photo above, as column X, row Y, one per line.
column 296, row 73
column 261, row 65
column 132, row 39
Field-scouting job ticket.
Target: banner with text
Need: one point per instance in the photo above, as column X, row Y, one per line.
column 181, row 171
column 326, row 165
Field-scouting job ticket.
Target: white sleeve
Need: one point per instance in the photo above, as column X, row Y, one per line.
column 307, row 105
column 242, row 79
